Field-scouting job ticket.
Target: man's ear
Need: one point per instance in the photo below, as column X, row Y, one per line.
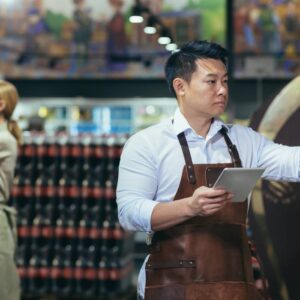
column 2, row 105
column 179, row 87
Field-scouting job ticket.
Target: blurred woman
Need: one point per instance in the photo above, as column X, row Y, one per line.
column 10, row 137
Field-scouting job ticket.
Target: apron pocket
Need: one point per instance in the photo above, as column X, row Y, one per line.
column 170, row 272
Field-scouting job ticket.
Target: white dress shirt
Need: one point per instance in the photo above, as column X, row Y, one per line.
column 152, row 161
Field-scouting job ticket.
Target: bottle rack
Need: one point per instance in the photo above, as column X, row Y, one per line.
column 69, row 238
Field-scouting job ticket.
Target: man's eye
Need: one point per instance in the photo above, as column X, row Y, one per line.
column 211, row 81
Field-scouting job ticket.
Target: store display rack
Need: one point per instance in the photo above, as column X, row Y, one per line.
column 69, row 240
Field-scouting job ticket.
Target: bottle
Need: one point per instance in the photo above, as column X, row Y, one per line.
column 99, row 167
column 34, row 280
column 87, row 154
column 45, row 199
column 61, row 277
column 76, row 159
column 86, row 267
column 110, row 204
column 64, row 154
column 41, row 245
column 68, row 201
column 41, row 153
column 28, row 160
column 92, row 208
column 23, row 253
column 24, row 205
column 113, row 156
column 52, row 158
column 103, row 276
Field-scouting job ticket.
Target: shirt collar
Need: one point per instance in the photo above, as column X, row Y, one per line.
column 180, row 124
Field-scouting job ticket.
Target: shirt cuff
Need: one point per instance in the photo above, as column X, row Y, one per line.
column 145, row 213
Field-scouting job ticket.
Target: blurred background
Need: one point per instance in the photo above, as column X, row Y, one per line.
column 90, row 74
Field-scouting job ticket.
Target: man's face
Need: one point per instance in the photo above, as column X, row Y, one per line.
column 206, row 94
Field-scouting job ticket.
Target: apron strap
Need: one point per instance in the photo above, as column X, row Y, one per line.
column 187, row 158
column 231, row 148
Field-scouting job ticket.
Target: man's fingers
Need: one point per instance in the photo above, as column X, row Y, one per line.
column 223, row 197
column 209, row 192
column 212, row 205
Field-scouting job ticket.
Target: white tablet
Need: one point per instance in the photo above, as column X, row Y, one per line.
column 238, row 181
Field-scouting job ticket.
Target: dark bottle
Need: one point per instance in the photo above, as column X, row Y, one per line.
column 79, row 276
column 23, row 204
column 28, row 158
column 76, row 159
column 23, row 253
column 113, row 156
column 34, row 279
column 87, row 250
column 87, row 281
column 87, row 155
column 23, row 273
column 41, row 153
column 64, row 150
column 107, row 239
column 103, row 276
column 115, row 274
column 62, row 275
column 68, row 200
column 92, row 208
column 64, row 248
column 45, row 200
column 99, row 166
column 23, row 250
column 110, row 199
column 41, row 241
column 52, row 158
column 44, row 274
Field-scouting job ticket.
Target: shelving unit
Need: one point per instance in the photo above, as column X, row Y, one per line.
column 70, row 241
column 98, row 116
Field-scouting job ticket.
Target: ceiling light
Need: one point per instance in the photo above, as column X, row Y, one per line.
column 164, row 40
column 149, row 30
column 136, row 16
column 171, row 47
column 165, row 37
column 136, row 19
column 150, row 27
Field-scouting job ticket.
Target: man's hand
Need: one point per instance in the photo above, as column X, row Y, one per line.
column 207, row 201
column 204, row 202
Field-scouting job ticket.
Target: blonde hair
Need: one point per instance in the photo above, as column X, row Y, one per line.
column 10, row 95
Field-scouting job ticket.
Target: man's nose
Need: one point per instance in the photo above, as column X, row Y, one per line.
column 222, row 89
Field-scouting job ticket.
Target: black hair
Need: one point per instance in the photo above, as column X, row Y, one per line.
column 182, row 64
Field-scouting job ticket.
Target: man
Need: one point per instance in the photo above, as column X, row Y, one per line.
column 199, row 247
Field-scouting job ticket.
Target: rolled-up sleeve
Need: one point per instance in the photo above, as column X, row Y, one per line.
column 137, row 185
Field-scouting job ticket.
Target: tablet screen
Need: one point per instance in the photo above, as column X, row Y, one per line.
column 238, row 181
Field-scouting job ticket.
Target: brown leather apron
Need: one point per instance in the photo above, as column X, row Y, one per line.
column 203, row 257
